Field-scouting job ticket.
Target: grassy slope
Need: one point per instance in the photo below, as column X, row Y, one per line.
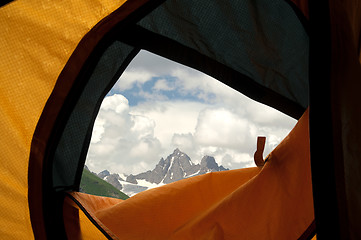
column 94, row 185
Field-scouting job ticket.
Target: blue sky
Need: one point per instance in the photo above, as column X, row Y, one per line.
column 158, row 105
column 166, row 88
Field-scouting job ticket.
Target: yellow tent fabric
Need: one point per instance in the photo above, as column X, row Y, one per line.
column 273, row 202
column 35, row 46
column 78, row 224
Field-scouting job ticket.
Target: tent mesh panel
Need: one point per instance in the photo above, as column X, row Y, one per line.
column 261, row 39
column 75, row 137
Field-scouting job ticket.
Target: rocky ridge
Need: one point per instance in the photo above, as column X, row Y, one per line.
column 176, row 166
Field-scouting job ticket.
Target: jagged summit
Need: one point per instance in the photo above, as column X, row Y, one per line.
column 177, row 151
column 176, row 166
column 209, row 164
column 103, row 174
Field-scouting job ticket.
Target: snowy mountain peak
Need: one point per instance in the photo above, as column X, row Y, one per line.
column 208, row 164
column 176, row 166
column 177, row 152
column 103, row 174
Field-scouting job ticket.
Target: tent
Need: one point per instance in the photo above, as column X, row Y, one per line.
column 60, row 58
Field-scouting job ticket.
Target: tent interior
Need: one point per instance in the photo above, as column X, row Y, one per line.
column 60, row 58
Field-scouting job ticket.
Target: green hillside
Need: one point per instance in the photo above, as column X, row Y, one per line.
column 92, row 184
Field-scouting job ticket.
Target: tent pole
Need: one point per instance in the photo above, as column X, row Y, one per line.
column 323, row 160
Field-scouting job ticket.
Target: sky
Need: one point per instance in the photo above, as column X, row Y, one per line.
column 158, row 105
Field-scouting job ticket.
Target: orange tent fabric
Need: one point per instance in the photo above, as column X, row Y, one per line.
column 273, row 202
column 37, row 38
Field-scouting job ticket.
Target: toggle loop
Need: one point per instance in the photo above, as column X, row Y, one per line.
column 258, row 155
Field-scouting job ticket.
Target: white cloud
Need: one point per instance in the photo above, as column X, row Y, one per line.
column 133, row 139
column 156, row 65
column 184, row 141
column 220, row 127
column 131, row 78
column 98, row 130
column 143, row 126
column 225, row 125
column 170, row 117
column 117, row 102
column 230, row 138
column 122, row 139
column 163, row 84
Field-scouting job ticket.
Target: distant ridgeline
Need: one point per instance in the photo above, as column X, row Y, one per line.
column 175, row 167
column 92, row 184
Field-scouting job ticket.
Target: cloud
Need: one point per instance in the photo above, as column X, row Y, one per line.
column 183, row 140
column 163, row 85
column 143, row 68
column 130, row 78
column 170, row 117
column 133, row 139
column 143, row 127
column 167, row 105
column 167, row 76
column 229, row 137
column 121, row 140
column 220, row 127
column 155, row 65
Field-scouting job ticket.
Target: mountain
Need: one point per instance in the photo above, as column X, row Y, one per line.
column 176, row 166
column 114, row 179
column 118, row 182
column 92, row 184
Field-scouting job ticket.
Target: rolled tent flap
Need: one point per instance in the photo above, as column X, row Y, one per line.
column 274, row 202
